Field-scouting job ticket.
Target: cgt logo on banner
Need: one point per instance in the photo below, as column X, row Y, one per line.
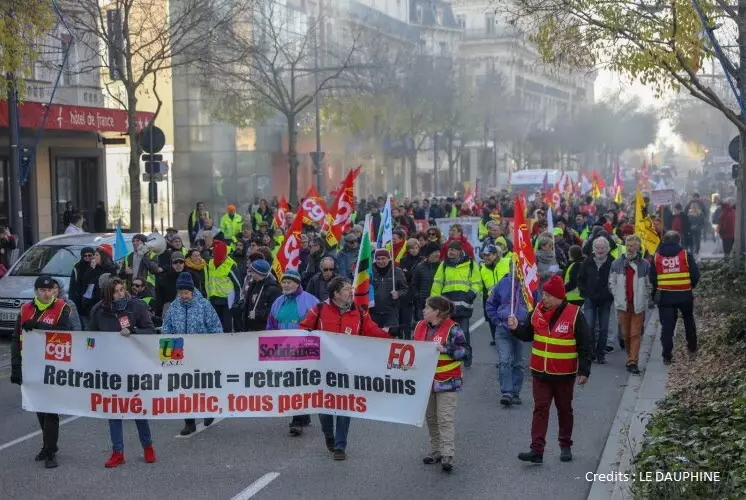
column 239, row 375
column 59, row 347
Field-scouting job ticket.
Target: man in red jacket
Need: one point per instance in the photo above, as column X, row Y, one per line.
column 339, row 315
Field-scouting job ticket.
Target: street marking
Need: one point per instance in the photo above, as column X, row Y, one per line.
column 33, row 434
column 257, row 486
column 477, row 324
column 200, row 428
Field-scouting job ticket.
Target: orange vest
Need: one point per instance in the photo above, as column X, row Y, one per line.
column 673, row 272
column 50, row 315
column 447, row 367
column 554, row 350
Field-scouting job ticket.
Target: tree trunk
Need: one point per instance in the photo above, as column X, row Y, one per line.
column 293, row 161
column 134, row 166
column 413, row 172
column 738, row 246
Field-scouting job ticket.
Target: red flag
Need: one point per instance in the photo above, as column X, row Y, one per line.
column 523, row 255
column 596, row 177
column 288, row 257
column 553, row 197
column 314, row 207
column 468, row 198
column 282, row 209
column 340, row 216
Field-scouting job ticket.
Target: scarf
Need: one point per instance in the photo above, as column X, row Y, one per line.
column 41, row 306
column 195, row 264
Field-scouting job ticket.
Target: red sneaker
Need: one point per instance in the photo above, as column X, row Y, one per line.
column 149, row 454
column 117, row 458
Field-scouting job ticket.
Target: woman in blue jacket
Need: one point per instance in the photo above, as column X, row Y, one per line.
column 510, row 350
column 287, row 311
column 190, row 313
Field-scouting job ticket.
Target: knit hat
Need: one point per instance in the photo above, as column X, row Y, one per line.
column 107, row 249
column 382, row 252
column 555, row 287
column 185, row 282
column 177, row 255
column 86, row 250
column 628, row 229
column 291, row 274
column 489, row 249
column 44, row 281
column 429, row 248
column 456, row 244
column 103, row 280
column 260, row 267
column 231, row 208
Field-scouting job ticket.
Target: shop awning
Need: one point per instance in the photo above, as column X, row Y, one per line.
column 73, row 118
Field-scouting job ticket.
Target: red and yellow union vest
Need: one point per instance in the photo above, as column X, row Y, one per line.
column 554, row 350
column 447, row 367
column 673, row 272
column 50, row 315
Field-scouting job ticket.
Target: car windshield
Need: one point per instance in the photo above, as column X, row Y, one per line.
column 47, row 259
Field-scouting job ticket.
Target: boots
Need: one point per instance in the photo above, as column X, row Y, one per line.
column 117, row 458
column 446, row 463
column 433, row 458
column 50, row 462
column 149, row 454
column 189, row 428
column 531, row 456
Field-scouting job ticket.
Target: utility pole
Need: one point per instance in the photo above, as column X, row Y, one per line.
column 740, row 188
column 435, row 163
column 16, row 206
column 317, row 159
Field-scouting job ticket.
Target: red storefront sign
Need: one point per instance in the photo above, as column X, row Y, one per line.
column 77, row 118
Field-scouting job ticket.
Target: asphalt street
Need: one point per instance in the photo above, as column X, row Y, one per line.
column 256, row 458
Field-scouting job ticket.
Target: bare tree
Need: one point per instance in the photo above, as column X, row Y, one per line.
column 281, row 67
column 138, row 42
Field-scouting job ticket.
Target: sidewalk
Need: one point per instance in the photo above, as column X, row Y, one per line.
column 637, row 404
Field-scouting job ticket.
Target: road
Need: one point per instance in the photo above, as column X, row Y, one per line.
column 255, row 458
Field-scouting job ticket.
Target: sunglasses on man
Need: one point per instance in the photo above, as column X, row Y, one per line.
column 87, row 255
column 327, row 269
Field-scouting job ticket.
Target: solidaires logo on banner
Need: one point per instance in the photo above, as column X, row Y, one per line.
column 256, row 374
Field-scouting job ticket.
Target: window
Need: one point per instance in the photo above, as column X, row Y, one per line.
column 418, row 12
column 461, row 20
column 66, row 48
column 52, row 260
column 443, row 49
column 439, row 15
column 489, row 23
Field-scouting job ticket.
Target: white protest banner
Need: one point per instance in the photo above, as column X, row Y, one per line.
column 662, row 197
column 257, row 374
column 470, row 226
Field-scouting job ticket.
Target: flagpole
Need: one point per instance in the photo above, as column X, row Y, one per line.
column 512, row 290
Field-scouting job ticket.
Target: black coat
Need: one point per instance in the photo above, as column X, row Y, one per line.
column 593, row 282
column 99, row 220
column 91, row 276
column 383, row 284
column 422, row 281
column 259, row 298
column 318, row 287
column 105, row 319
column 76, row 290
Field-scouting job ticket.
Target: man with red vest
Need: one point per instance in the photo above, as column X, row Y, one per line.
column 673, row 275
column 45, row 312
column 560, row 356
column 338, row 314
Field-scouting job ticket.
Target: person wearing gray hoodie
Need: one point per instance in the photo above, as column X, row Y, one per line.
column 546, row 260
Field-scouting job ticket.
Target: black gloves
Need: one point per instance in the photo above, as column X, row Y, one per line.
column 30, row 325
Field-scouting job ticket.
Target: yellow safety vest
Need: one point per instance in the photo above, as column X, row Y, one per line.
column 219, row 282
column 231, row 228
column 458, row 278
column 490, row 277
column 573, row 294
column 482, row 230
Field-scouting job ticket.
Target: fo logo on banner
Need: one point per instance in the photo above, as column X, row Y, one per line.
column 171, row 351
column 59, row 347
column 401, row 356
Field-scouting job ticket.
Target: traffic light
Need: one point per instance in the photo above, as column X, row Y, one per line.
column 153, row 163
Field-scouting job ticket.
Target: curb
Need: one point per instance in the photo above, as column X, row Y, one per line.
column 628, row 429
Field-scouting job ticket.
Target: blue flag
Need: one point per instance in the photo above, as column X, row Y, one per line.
column 385, row 231
column 120, row 246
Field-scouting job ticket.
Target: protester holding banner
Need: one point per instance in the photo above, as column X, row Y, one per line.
column 437, row 326
column 560, row 357
column 458, row 279
column 339, row 315
column 49, row 313
column 118, row 312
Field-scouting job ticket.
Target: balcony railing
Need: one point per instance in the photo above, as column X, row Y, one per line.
column 498, row 32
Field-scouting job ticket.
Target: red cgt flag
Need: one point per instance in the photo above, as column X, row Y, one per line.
column 282, row 209
column 313, row 207
column 340, row 217
column 288, row 257
column 523, row 255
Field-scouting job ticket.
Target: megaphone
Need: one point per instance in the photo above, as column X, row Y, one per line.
column 156, row 243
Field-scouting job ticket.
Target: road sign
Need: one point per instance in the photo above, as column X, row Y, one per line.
column 153, row 163
column 152, row 139
column 734, row 148
column 152, row 193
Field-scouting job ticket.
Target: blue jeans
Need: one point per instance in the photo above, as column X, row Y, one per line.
column 598, row 313
column 117, row 434
column 512, row 365
column 343, row 428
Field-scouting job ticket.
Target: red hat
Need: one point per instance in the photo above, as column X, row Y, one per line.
column 381, row 252
column 107, row 248
column 555, row 287
column 628, row 229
